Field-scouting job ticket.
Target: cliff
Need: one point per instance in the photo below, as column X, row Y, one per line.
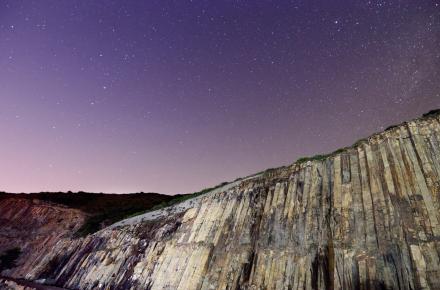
column 35, row 227
column 366, row 217
column 101, row 209
column 32, row 224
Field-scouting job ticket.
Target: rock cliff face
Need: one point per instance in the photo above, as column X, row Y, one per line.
column 366, row 217
column 35, row 227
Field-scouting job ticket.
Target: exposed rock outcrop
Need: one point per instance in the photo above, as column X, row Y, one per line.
column 34, row 227
column 20, row 284
column 363, row 218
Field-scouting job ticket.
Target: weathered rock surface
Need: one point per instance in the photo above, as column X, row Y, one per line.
column 20, row 284
column 35, row 227
column 364, row 218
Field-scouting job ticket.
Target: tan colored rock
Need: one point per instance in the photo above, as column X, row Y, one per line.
column 364, row 218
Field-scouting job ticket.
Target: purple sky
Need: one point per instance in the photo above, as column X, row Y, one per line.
column 175, row 96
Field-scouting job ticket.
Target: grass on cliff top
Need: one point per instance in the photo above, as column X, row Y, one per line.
column 105, row 209
column 178, row 199
column 321, row 157
column 432, row 113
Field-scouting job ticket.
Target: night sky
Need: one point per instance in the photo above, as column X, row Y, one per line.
column 175, row 96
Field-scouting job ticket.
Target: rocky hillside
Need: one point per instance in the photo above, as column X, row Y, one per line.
column 101, row 209
column 31, row 224
column 30, row 227
column 366, row 217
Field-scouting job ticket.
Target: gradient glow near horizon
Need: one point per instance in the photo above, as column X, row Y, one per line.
column 175, row 96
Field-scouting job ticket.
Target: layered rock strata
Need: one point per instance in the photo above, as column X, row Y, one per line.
column 34, row 227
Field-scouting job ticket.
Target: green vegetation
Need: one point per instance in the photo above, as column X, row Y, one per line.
column 391, row 127
column 8, row 258
column 267, row 170
column 106, row 209
column 103, row 209
column 320, row 157
column 311, row 158
column 432, row 113
column 178, row 199
column 359, row 142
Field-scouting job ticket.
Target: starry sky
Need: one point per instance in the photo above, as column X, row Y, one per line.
column 175, row 96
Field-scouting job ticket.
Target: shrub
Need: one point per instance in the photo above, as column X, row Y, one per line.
column 432, row 113
column 178, row 199
column 391, row 127
column 321, row 157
